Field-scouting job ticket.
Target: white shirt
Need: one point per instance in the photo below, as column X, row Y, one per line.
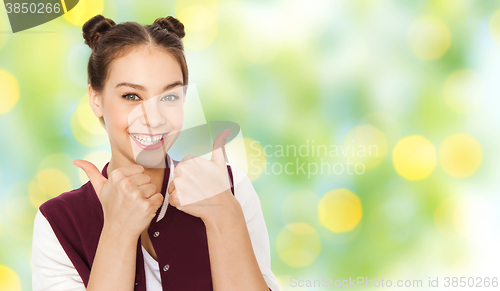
column 153, row 281
column 53, row 270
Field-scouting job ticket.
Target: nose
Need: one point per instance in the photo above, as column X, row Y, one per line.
column 151, row 115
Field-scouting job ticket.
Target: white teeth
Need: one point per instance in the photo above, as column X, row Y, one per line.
column 147, row 139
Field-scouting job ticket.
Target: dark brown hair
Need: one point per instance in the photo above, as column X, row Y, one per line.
column 109, row 41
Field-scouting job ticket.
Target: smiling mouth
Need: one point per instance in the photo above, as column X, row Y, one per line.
column 148, row 139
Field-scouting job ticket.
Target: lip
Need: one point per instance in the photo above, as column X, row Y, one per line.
column 149, row 147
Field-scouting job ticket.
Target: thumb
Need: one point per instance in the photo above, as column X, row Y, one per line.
column 218, row 151
column 96, row 178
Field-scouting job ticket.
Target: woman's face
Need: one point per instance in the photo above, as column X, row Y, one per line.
column 142, row 106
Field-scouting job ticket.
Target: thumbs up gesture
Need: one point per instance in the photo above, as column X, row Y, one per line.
column 199, row 183
column 129, row 200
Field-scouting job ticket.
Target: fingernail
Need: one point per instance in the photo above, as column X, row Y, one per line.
column 227, row 134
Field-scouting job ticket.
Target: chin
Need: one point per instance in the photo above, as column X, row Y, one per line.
column 151, row 163
column 150, row 159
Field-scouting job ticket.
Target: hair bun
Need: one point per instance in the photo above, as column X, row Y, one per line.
column 171, row 24
column 94, row 28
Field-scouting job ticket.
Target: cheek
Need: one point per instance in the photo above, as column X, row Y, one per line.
column 117, row 119
column 176, row 118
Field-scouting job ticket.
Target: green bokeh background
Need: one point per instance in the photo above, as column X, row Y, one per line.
column 292, row 73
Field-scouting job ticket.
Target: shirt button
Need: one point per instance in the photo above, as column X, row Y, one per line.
column 156, row 234
column 165, row 268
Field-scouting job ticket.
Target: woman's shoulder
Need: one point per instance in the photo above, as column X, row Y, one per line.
column 71, row 202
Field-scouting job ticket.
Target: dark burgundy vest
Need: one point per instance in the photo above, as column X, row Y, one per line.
column 179, row 239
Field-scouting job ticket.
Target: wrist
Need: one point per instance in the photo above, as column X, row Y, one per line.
column 117, row 234
column 232, row 213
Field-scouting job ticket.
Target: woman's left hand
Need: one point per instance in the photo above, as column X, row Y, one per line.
column 201, row 187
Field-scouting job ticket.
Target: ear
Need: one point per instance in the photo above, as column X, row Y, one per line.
column 95, row 102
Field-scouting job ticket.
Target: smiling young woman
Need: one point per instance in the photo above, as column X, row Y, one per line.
column 145, row 221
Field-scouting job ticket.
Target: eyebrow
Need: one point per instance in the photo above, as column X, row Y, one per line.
column 140, row 87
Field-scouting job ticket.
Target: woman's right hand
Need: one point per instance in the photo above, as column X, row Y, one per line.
column 129, row 200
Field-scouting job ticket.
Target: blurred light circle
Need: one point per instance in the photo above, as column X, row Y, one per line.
column 53, row 182
column 429, row 38
column 36, row 195
column 298, row 244
column 471, row 217
column 365, row 144
column 464, row 91
column 87, row 119
column 256, row 158
column 200, row 25
column 414, row 157
column 20, row 209
column 16, row 203
column 9, row 280
column 10, row 91
column 58, row 160
column 494, row 27
column 460, row 155
column 86, row 127
column 20, row 232
column 340, row 210
column 386, row 123
column 84, row 11
column 299, row 206
column 98, row 158
column 480, row 219
column 448, row 217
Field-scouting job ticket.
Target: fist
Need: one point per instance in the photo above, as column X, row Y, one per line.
column 201, row 187
column 129, row 200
